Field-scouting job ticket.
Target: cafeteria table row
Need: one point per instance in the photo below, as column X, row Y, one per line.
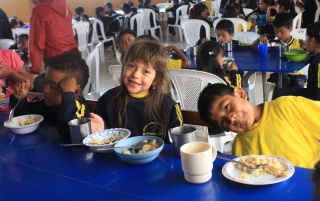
column 35, row 167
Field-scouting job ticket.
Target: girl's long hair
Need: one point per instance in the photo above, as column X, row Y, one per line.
column 195, row 11
column 147, row 52
column 207, row 57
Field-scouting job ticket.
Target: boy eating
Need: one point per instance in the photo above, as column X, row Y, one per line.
column 65, row 77
column 286, row 127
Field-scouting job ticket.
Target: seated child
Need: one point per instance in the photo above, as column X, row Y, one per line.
column 210, row 59
column 313, row 83
column 11, row 71
column 66, row 76
column 287, row 127
column 85, row 18
column 282, row 27
column 23, row 47
column 79, row 11
column 139, row 103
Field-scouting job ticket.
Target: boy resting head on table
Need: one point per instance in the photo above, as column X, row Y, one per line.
column 287, row 127
column 65, row 78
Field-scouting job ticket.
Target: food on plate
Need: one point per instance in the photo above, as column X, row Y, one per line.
column 274, row 167
column 152, row 145
column 27, row 120
column 97, row 141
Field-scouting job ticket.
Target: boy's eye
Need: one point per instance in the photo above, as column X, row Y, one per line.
column 221, row 123
column 130, row 66
column 226, row 108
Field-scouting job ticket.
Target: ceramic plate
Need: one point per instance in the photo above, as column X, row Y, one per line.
column 232, row 173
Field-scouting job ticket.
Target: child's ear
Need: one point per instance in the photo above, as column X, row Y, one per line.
column 238, row 91
column 290, row 29
column 78, row 92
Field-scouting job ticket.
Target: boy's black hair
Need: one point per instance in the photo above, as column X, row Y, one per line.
column 21, row 36
column 283, row 20
column 176, row 1
column 126, row 31
column 126, row 8
column 313, row 30
column 225, row 25
column 270, row 2
column 86, row 17
column 229, row 12
column 108, row 4
column 99, row 9
column 72, row 65
column 147, row 37
column 13, row 22
column 208, row 96
column 78, row 10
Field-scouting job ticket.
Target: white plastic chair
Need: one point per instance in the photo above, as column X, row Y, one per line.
column 247, row 11
column 191, row 31
column 299, row 33
column 6, row 43
column 236, row 22
column 92, row 89
column 95, row 38
column 188, row 85
column 115, row 72
column 147, row 14
column 246, row 37
column 138, row 20
column 184, row 17
column 317, row 15
column 297, row 21
column 215, row 6
column 82, row 30
column 181, row 11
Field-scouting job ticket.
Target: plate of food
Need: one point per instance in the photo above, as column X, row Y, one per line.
column 277, row 170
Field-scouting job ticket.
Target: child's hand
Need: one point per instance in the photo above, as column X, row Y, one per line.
column 69, row 84
column 5, row 70
column 302, row 44
column 170, row 48
column 21, row 88
column 232, row 67
column 97, row 123
column 264, row 39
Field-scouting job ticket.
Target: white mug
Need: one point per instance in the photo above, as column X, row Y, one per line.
column 197, row 161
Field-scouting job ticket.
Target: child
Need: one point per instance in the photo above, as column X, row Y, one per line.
column 85, row 18
column 210, row 59
column 172, row 20
column 225, row 32
column 11, row 71
column 282, row 27
column 287, row 127
column 124, row 39
column 286, row 6
column 139, row 103
column 128, row 14
column 313, row 84
column 79, row 11
column 200, row 11
column 66, row 76
column 108, row 7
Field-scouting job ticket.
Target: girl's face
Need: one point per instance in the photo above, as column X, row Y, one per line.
column 23, row 44
column 204, row 14
column 138, row 77
column 263, row 5
column 126, row 40
column 220, row 58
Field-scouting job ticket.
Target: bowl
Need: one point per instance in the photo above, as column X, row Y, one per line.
column 106, row 135
column 17, row 124
column 138, row 158
column 296, row 55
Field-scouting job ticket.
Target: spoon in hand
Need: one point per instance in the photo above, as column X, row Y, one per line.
column 12, row 111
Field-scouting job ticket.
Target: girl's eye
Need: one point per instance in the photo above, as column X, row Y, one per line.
column 130, row 66
column 147, row 71
column 221, row 123
column 226, row 108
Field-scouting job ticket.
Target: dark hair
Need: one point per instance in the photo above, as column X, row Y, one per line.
column 208, row 96
column 316, row 180
column 13, row 22
column 108, row 4
column 126, row 31
column 86, row 17
column 146, row 2
column 288, row 5
column 237, row 6
column 225, row 25
column 131, row 3
column 154, row 53
column 251, row 4
column 78, row 10
column 71, row 65
column 229, row 12
column 147, row 37
column 283, row 20
column 207, row 57
column 195, row 11
column 126, row 8
column 5, row 27
column 21, row 36
column 313, row 30
column 99, row 9
column 176, row 1
column 270, row 2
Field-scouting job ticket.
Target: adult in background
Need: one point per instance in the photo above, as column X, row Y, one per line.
column 5, row 27
column 51, row 34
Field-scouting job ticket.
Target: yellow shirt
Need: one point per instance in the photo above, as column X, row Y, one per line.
column 174, row 63
column 289, row 127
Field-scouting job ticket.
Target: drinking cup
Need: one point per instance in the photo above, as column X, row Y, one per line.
column 197, row 161
column 79, row 129
column 263, row 50
column 181, row 135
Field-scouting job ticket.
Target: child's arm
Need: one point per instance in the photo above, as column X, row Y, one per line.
column 12, row 75
column 185, row 61
column 235, row 78
column 261, row 39
column 270, row 11
column 97, row 123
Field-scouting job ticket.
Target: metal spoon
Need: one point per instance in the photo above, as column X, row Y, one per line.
column 248, row 166
column 12, row 111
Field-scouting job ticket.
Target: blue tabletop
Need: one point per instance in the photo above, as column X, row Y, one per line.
column 36, row 167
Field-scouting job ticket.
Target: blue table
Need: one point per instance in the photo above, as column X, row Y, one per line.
column 249, row 60
column 35, row 167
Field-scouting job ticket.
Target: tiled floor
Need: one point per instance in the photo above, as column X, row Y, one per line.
column 106, row 81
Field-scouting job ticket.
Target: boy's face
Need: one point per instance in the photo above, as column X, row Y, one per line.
column 310, row 43
column 107, row 9
column 52, row 89
column 138, row 77
column 23, row 44
column 233, row 113
column 223, row 36
column 283, row 33
column 126, row 40
column 263, row 5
